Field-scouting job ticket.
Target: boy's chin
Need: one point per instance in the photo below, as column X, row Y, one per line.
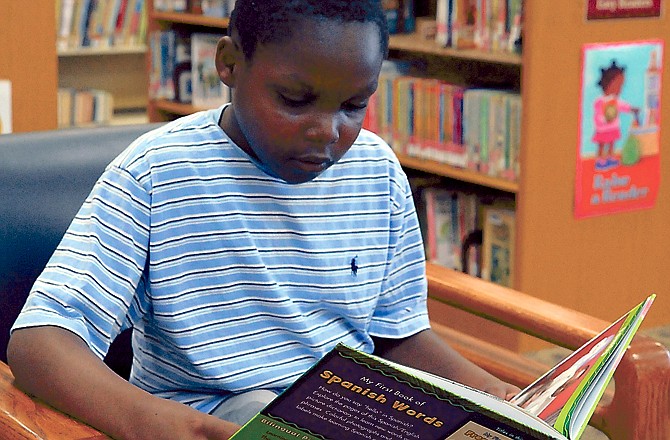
column 296, row 179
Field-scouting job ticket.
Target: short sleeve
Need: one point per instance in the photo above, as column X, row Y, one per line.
column 93, row 285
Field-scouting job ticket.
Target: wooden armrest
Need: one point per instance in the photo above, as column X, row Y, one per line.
column 22, row 417
column 639, row 408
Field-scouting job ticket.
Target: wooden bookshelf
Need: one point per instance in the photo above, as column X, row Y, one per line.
column 596, row 265
column 28, row 59
column 464, row 175
column 118, row 70
column 174, row 108
column 162, row 109
column 411, row 43
column 168, row 19
column 139, row 49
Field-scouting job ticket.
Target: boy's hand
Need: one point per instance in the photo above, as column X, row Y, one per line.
column 500, row 389
column 427, row 351
column 59, row 368
column 171, row 420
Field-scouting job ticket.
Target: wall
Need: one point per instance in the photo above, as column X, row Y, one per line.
column 601, row 265
column 28, row 59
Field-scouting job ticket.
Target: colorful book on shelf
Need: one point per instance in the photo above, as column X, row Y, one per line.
column 5, row 106
column 399, row 15
column 491, row 131
column 64, row 24
column 498, row 233
column 206, row 87
column 515, row 24
column 352, row 395
column 449, row 217
column 122, row 21
column 379, row 117
column 217, row 8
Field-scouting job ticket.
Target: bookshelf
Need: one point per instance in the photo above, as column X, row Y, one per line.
column 595, row 265
column 184, row 22
column 101, row 46
column 119, row 71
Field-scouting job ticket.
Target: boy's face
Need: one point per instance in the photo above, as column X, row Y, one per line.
column 298, row 106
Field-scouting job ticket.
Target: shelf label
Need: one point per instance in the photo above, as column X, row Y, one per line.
column 599, row 9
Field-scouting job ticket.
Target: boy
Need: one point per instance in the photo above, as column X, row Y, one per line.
column 241, row 244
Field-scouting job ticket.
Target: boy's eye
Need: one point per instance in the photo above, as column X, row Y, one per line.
column 355, row 106
column 292, row 101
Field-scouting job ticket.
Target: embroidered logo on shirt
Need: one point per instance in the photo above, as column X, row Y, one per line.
column 354, row 266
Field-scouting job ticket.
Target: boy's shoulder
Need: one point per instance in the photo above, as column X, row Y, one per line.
column 198, row 128
column 369, row 145
column 370, row 141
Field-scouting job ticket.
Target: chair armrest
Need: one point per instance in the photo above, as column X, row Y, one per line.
column 23, row 417
column 639, row 408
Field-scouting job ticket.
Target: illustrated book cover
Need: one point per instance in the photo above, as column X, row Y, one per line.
column 352, row 395
column 618, row 167
column 207, row 89
column 5, row 106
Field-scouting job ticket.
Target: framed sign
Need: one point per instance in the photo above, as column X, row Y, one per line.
column 598, row 9
column 618, row 152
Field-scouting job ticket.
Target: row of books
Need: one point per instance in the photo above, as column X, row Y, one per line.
column 490, row 25
column 84, row 107
column 478, row 129
column 467, row 232
column 183, row 69
column 100, row 23
column 210, row 8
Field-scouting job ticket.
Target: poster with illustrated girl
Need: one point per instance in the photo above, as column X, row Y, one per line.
column 618, row 153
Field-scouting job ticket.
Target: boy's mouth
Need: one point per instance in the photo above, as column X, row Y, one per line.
column 313, row 164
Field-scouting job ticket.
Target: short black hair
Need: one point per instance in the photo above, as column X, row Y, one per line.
column 608, row 74
column 272, row 21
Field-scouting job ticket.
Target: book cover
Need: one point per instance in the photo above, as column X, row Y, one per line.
column 206, row 87
column 65, row 24
column 498, row 245
column 618, row 166
column 354, row 395
column 5, row 106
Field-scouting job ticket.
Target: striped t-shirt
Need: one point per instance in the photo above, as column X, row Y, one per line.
column 234, row 280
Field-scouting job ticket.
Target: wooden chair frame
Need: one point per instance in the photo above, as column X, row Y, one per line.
column 638, row 409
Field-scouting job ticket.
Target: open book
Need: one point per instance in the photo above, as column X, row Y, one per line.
column 352, row 395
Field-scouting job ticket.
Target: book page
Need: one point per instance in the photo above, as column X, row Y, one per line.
column 582, row 404
column 577, row 383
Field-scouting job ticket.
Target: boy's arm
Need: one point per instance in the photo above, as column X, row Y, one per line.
column 428, row 352
column 56, row 366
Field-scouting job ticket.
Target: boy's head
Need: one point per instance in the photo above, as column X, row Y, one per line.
column 302, row 72
column 257, row 22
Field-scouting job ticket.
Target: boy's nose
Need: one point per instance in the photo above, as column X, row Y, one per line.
column 323, row 129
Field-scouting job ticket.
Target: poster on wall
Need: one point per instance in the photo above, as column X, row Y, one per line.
column 618, row 152
column 5, row 106
column 599, row 9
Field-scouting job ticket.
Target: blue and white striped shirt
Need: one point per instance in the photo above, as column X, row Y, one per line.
column 232, row 279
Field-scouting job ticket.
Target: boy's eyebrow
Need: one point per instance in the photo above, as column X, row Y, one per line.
column 304, row 87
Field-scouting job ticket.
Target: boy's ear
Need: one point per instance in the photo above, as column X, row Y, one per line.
column 227, row 56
